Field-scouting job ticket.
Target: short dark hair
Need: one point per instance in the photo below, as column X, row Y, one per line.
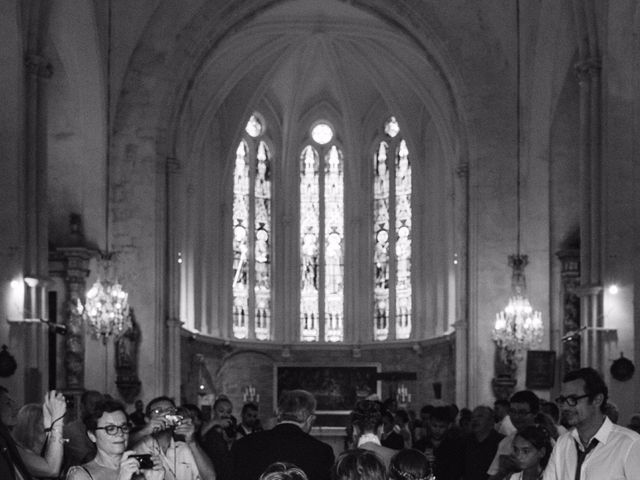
column 593, row 384
column 528, row 397
column 408, row 464
column 249, row 406
column 222, row 399
column 501, row 402
column 367, row 415
column 359, row 464
column 427, row 409
column 442, row 414
column 162, row 398
column 105, row 405
column 551, row 409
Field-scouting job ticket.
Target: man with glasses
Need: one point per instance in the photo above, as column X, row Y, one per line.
column 172, row 438
column 594, row 448
column 523, row 408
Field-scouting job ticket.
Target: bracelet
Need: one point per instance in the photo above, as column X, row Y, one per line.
column 53, row 423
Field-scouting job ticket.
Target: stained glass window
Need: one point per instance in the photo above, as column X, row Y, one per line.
column 252, row 235
column 392, row 248
column 321, row 239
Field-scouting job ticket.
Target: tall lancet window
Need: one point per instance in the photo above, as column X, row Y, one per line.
column 392, row 235
column 321, row 238
column 252, row 235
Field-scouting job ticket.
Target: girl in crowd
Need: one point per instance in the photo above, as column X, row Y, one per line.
column 38, row 435
column 108, row 427
column 359, row 464
column 410, row 465
column 531, row 449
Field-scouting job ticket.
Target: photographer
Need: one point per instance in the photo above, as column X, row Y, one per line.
column 218, row 437
column 182, row 460
column 108, row 427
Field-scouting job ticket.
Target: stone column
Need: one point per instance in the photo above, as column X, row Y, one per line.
column 466, row 384
column 570, row 310
column 72, row 263
column 173, row 358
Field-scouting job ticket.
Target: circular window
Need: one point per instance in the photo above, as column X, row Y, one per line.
column 322, row 133
column 392, row 128
column 254, row 127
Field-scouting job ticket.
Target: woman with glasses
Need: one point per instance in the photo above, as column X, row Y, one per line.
column 108, row 427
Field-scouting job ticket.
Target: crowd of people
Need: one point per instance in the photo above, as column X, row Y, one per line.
column 523, row 438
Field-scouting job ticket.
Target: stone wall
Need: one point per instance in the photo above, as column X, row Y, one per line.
column 229, row 368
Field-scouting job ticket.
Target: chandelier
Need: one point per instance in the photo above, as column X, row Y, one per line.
column 518, row 327
column 106, row 309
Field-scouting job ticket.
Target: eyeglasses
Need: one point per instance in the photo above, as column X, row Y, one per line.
column 164, row 411
column 113, row 429
column 571, row 400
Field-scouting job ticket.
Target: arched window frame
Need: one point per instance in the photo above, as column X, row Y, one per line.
column 392, row 311
column 255, row 324
column 329, row 326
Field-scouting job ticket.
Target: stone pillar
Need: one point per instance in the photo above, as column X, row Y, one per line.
column 588, row 72
column 72, row 264
column 173, row 358
column 570, row 310
column 466, row 384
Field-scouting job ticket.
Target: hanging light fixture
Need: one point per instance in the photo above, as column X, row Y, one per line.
column 106, row 308
column 518, row 327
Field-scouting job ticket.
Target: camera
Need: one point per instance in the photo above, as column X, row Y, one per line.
column 231, row 429
column 144, row 460
column 173, row 419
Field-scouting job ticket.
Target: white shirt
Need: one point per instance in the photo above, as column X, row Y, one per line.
column 178, row 461
column 616, row 456
column 505, row 426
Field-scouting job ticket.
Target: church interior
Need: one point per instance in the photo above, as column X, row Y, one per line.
column 208, row 197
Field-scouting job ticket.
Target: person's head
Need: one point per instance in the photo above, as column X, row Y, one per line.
column 482, row 421
column 108, row 426
column 501, row 409
column 440, row 422
column 192, row 411
column 583, row 397
column 551, row 409
column 297, row 406
column 401, row 417
column 160, row 406
column 283, row 471
column 634, row 422
column 408, row 464
column 249, row 414
column 8, row 408
column 359, row 464
column 545, row 421
column 611, row 411
column 29, row 428
column 532, row 447
column 222, row 408
column 425, row 413
column 139, row 405
column 366, row 417
column 464, row 420
column 390, row 404
column 88, row 401
column 388, row 420
column 524, row 405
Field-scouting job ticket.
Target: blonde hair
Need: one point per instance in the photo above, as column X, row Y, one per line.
column 29, row 428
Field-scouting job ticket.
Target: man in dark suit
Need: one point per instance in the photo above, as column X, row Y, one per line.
column 288, row 441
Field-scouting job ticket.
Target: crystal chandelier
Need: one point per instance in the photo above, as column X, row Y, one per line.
column 518, row 327
column 106, row 309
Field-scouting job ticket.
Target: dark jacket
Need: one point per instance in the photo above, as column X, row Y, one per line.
column 286, row 442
